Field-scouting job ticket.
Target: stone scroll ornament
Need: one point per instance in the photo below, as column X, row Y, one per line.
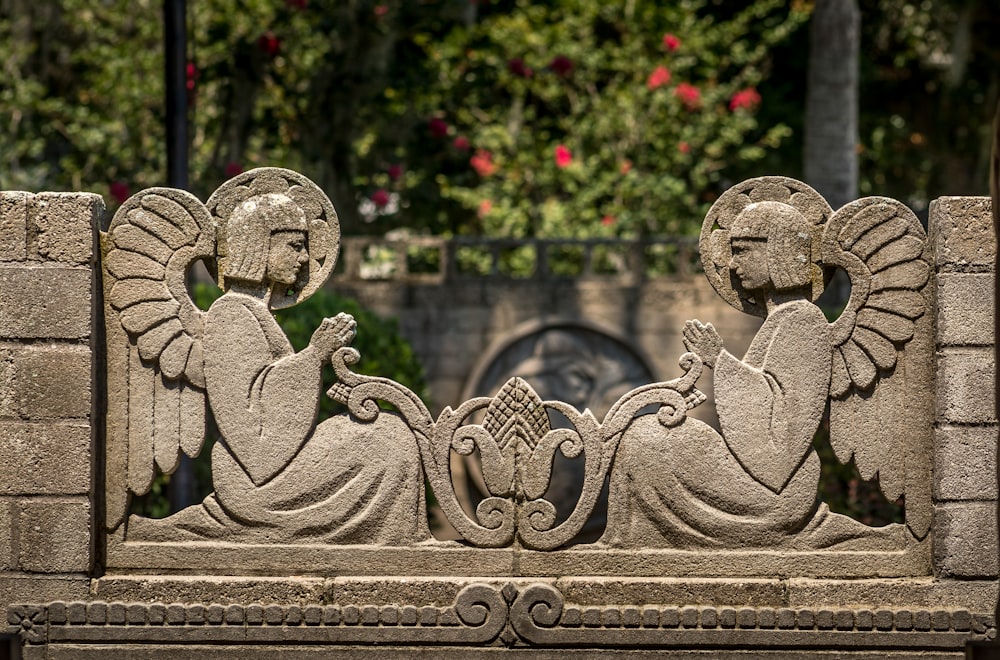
column 279, row 474
column 767, row 246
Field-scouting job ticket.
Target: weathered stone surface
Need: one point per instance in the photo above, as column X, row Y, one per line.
column 962, row 231
column 683, row 485
column 62, row 225
column 872, row 594
column 37, row 588
column 45, row 458
column 964, row 375
column 13, row 225
column 965, row 309
column 219, row 589
column 7, row 559
column 54, row 535
column 50, row 381
column 45, row 302
column 965, row 464
column 784, row 584
column 596, row 591
column 965, row 540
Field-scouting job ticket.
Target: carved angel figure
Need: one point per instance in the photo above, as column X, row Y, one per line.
column 764, row 244
column 279, row 476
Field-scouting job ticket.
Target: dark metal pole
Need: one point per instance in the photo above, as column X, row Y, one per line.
column 181, row 490
column 175, row 49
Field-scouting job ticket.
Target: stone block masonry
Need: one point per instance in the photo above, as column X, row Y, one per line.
column 74, row 584
column 47, row 376
column 965, row 470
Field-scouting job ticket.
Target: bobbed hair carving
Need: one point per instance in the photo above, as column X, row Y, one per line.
column 249, row 230
column 789, row 240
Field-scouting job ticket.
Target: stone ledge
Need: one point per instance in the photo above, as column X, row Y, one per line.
column 537, row 619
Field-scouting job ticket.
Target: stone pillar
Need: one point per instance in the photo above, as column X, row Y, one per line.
column 965, row 469
column 47, row 403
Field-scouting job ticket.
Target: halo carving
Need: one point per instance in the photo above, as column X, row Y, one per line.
column 716, row 252
column 321, row 217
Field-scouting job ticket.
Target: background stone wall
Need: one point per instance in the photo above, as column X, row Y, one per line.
column 48, row 417
column 457, row 323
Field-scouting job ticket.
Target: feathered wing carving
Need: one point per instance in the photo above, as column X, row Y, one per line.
column 156, row 381
column 882, row 350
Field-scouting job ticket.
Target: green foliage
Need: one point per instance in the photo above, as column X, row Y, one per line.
column 346, row 91
column 586, row 119
column 383, row 353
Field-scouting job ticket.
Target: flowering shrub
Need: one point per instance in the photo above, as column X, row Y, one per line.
column 513, row 118
column 591, row 119
column 658, row 78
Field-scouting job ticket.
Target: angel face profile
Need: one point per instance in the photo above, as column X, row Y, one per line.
column 755, row 483
column 280, row 475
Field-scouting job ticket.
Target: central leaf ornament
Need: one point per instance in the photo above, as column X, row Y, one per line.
column 517, row 421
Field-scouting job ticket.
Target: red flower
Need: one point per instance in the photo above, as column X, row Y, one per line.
column 658, row 78
column 518, row 68
column 684, row 147
column 483, row 163
column 561, row 65
column 191, row 74
column 297, row 4
column 608, row 220
column 119, row 190
column 381, row 10
column 563, row 156
column 438, row 126
column 671, row 42
column 394, row 172
column 232, row 169
column 269, row 44
column 485, row 207
column 461, row 143
column 626, row 167
column 747, row 99
column 380, row 197
column 689, row 95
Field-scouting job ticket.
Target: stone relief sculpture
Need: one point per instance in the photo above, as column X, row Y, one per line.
column 282, row 476
column 279, row 476
column 576, row 363
column 763, row 246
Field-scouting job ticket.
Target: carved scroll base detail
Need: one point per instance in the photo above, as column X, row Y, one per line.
column 507, row 614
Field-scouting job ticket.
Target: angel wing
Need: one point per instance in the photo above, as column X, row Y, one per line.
column 156, row 381
column 876, row 404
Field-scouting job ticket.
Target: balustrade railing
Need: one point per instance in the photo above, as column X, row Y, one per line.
column 428, row 259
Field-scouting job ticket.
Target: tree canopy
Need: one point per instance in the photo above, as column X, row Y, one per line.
column 566, row 118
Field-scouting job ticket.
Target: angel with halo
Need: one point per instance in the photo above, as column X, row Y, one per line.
column 279, row 475
column 764, row 245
